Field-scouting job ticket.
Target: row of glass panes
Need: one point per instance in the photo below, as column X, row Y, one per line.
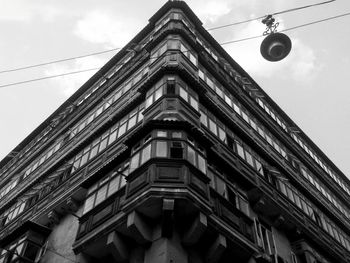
column 48, row 153
column 35, row 142
column 5, row 190
column 82, row 124
column 86, row 121
column 242, row 112
column 13, row 211
column 106, row 103
column 223, row 188
column 53, row 149
column 303, row 145
column 252, row 161
column 221, row 131
column 108, row 137
column 308, row 175
column 105, row 187
column 103, row 80
column 173, row 44
column 325, row 192
column 281, row 123
column 175, row 148
column 256, row 126
column 310, row 210
column 172, row 16
column 159, row 89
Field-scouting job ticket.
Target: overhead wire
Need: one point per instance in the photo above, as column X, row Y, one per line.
column 59, row 60
column 275, row 13
column 223, row 43
column 209, row 29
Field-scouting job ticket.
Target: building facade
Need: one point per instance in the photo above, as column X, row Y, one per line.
column 172, row 153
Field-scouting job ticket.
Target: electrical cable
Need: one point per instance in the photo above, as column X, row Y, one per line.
column 114, row 49
column 223, row 43
column 276, row 13
column 59, row 60
column 48, row 77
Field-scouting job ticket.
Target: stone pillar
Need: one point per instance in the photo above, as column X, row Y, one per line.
column 166, row 250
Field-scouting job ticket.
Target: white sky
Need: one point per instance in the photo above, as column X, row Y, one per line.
column 310, row 85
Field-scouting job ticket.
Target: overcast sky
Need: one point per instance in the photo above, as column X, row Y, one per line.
column 310, row 85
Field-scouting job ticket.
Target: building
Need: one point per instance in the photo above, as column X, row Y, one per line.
column 172, row 153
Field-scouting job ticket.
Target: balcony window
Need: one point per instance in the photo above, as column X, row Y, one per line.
column 27, row 245
column 107, row 138
column 167, row 147
column 104, row 188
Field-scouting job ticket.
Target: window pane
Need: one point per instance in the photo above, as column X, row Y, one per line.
column 202, row 164
column 158, row 93
column 243, row 205
column 101, row 194
column 93, row 152
column 103, row 144
column 113, row 185
column 249, row 158
column 89, row 202
column 212, row 127
column 204, row 119
column 240, row 150
column 112, row 137
column 149, row 101
column 161, row 149
column 84, row 159
column 161, row 133
column 220, row 186
column 194, row 103
column 222, row 134
column 122, row 130
column 146, row 154
column 122, row 181
column 191, row 155
column 134, row 163
column 183, row 94
column 132, row 122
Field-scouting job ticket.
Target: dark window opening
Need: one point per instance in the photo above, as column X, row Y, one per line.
column 176, row 150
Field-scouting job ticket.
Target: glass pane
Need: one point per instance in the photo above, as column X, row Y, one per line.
column 112, row 137
column 122, row 181
column 161, row 149
column 122, row 130
column 220, row 186
column 204, row 119
column 194, row 103
column 240, row 150
column 202, row 164
column 146, row 154
column 89, row 202
column 84, row 159
column 212, row 127
column 158, row 93
column 113, row 185
column 103, row 144
column 191, row 157
column 132, row 121
column 161, row 133
column 183, row 94
column 93, row 152
column 243, row 205
column 149, row 101
column 101, row 194
column 134, row 163
column 249, row 159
